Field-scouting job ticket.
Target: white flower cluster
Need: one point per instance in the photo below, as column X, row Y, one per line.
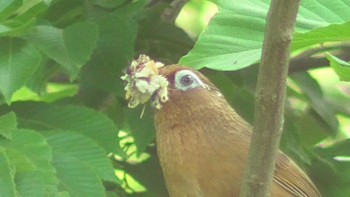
column 144, row 83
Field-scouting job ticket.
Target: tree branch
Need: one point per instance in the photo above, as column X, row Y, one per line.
column 169, row 15
column 270, row 96
column 317, row 58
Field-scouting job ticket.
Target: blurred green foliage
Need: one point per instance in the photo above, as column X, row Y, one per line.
column 65, row 129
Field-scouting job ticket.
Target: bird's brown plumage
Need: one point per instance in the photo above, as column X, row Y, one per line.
column 203, row 145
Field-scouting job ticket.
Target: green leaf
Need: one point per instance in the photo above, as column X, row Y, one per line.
column 332, row 171
column 240, row 98
column 330, row 33
column 7, row 123
column 71, row 47
column 77, row 178
column 7, row 8
column 309, row 128
column 233, row 39
column 30, row 10
column 107, row 3
column 45, row 183
column 113, row 52
column 31, row 156
column 15, row 27
column 83, row 150
column 314, row 93
column 341, row 148
column 57, row 92
column 293, row 146
column 155, row 35
column 149, row 174
column 342, row 68
column 141, row 129
column 26, row 17
column 83, row 120
column 31, row 145
column 18, row 62
column 7, row 184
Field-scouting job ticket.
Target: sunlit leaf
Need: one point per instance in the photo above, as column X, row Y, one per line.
column 18, row 62
column 342, row 68
column 233, row 39
column 58, row 92
column 330, row 33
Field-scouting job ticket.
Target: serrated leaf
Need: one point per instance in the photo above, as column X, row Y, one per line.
column 81, row 164
column 77, row 178
column 36, row 183
column 233, row 39
column 7, row 184
column 342, row 68
column 32, row 145
column 31, row 156
column 7, row 123
column 83, row 120
column 113, row 52
column 71, row 47
column 85, row 150
column 18, row 62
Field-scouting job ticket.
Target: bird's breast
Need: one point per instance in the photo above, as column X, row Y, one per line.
column 201, row 155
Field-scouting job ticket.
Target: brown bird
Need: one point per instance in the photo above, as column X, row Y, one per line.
column 203, row 143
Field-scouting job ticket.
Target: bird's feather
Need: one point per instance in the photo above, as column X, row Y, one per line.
column 203, row 145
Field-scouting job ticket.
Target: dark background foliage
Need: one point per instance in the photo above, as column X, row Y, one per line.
column 65, row 129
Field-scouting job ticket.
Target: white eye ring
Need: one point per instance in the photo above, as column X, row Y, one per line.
column 186, row 79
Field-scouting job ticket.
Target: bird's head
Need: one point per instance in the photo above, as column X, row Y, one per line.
column 188, row 90
column 175, row 91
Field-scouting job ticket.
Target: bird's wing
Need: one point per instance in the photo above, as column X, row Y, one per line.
column 289, row 176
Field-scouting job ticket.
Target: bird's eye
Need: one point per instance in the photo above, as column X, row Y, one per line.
column 186, row 79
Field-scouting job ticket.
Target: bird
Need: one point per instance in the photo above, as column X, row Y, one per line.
column 203, row 144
